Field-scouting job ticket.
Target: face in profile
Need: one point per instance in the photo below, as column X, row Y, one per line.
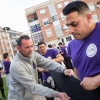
column 26, row 48
column 60, row 45
column 42, row 48
column 78, row 24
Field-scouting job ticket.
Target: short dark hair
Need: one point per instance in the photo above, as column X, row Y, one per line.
column 19, row 41
column 50, row 46
column 78, row 6
column 60, row 43
column 41, row 42
column 5, row 55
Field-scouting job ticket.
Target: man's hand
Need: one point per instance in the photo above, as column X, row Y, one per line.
column 42, row 70
column 63, row 96
column 90, row 83
column 69, row 72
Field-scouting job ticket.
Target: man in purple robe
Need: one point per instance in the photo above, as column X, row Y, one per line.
column 6, row 65
column 51, row 54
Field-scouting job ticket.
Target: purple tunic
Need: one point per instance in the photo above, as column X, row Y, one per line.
column 65, row 51
column 6, row 66
column 85, row 54
column 51, row 54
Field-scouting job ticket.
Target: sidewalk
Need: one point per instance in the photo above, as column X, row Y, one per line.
column 43, row 98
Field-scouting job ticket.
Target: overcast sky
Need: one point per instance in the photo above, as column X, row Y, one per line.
column 12, row 13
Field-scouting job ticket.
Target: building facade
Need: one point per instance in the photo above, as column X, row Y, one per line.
column 47, row 23
column 8, row 42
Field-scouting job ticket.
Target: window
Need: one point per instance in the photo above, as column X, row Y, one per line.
column 37, row 37
column 49, row 33
column 54, row 18
column 35, row 28
column 98, row 4
column 65, row 27
column 32, row 17
column 43, row 11
column 95, row 18
column 62, row 16
column 92, row 7
column 66, row 3
column 59, row 5
column 68, row 38
column 45, row 21
column 12, row 35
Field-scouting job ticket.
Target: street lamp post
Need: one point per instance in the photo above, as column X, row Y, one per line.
column 6, row 29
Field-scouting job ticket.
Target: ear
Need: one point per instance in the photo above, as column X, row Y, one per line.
column 18, row 48
column 88, row 17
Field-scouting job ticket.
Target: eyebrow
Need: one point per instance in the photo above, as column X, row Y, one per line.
column 71, row 23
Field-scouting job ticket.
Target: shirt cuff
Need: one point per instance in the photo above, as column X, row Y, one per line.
column 55, row 93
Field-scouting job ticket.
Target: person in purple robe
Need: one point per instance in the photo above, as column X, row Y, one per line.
column 6, row 66
column 64, row 53
column 84, row 50
column 51, row 54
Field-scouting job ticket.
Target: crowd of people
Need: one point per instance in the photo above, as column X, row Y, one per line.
column 81, row 59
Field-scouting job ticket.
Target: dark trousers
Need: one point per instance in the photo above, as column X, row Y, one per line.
column 72, row 87
column 67, row 62
column 1, row 86
column 45, row 83
column 40, row 77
